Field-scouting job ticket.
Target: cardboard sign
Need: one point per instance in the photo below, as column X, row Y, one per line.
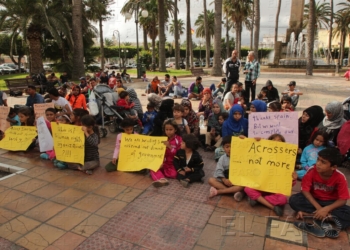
column 39, row 109
column 263, row 165
column 69, row 143
column 44, row 135
column 139, row 152
column 264, row 124
column 18, row 138
column 4, row 112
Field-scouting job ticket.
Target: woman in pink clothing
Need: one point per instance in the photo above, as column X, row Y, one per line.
column 347, row 75
column 173, row 144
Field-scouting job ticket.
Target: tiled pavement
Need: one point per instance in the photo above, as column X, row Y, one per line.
column 45, row 208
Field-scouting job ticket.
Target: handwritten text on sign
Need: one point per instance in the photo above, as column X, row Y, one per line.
column 139, row 152
column 39, row 108
column 18, row 138
column 68, row 141
column 263, row 165
column 4, row 112
column 264, row 124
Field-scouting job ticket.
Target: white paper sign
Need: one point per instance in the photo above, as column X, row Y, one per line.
column 44, row 135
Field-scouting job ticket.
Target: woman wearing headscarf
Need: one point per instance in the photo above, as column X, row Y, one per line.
column 136, row 101
column 214, row 125
column 258, row 106
column 191, row 117
column 333, row 121
column 165, row 112
column 205, row 104
column 235, row 125
column 343, row 140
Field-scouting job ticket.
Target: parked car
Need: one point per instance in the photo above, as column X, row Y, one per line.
column 182, row 65
column 112, row 66
column 47, row 67
column 13, row 66
column 169, row 65
column 7, row 70
column 197, row 64
column 203, row 64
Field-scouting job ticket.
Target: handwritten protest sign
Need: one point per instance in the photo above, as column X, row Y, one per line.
column 39, row 109
column 263, row 165
column 4, row 112
column 68, row 141
column 18, row 138
column 44, row 135
column 264, row 124
column 139, row 152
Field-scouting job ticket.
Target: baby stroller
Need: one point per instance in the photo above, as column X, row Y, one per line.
column 110, row 115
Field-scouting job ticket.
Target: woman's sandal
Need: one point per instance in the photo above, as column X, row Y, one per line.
column 311, row 228
column 212, row 192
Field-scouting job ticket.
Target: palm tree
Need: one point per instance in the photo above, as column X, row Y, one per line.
column 276, row 21
column 310, row 37
column 207, row 34
column 256, row 27
column 162, row 39
column 342, row 19
column 330, row 33
column 98, row 12
column 346, row 13
column 216, row 70
column 178, row 29
column 239, row 11
column 228, row 25
column 322, row 13
column 32, row 21
column 78, row 52
column 201, row 31
column 189, row 52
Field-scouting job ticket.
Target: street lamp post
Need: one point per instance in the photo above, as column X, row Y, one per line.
column 144, row 13
column 125, row 51
column 119, row 47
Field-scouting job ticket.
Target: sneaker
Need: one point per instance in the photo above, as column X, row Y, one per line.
column 238, row 196
column 61, row 165
column 252, row 202
column 44, row 156
column 158, row 184
column 184, row 183
column 278, row 210
column 164, row 181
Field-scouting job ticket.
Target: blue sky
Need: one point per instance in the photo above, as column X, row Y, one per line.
column 268, row 12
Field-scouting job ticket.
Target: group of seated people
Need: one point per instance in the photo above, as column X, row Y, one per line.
column 324, row 141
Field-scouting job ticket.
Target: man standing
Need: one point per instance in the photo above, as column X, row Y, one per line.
column 231, row 68
column 252, row 72
column 3, row 99
column 33, row 96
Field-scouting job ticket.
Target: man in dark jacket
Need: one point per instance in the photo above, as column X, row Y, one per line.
column 272, row 92
column 231, row 69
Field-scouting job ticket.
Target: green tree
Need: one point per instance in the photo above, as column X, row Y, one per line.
column 322, row 13
column 345, row 23
column 108, row 42
column 216, row 69
column 31, row 19
column 12, row 47
column 341, row 30
column 201, row 31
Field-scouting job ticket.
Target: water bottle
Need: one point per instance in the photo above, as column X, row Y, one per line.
column 201, row 121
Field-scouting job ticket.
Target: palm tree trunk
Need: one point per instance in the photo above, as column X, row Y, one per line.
column 207, row 35
column 153, row 53
column 176, row 31
column 238, row 38
column 342, row 48
column 310, row 38
column 227, row 38
column 78, row 51
column 161, row 24
column 330, row 34
column 252, row 27
column 188, row 34
column 349, row 51
column 35, row 58
column 256, row 28
column 276, row 21
column 216, row 70
column 102, row 51
column 145, row 42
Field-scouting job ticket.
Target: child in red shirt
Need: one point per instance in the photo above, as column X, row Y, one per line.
column 128, row 106
column 324, row 190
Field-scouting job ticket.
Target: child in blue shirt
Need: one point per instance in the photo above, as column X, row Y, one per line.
column 148, row 118
column 309, row 156
column 13, row 118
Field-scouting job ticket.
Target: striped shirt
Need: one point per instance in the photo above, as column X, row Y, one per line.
column 253, row 70
column 91, row 148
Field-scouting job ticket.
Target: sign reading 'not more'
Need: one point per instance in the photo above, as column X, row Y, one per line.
column 265, row 124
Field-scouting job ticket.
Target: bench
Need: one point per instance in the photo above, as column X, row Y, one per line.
column 198, row 72
column 22, row 84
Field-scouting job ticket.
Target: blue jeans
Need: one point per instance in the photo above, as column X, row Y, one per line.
column 219, row 90
column 177, row 90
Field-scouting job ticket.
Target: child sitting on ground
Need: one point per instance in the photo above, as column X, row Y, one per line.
column 178, row 112
column 13, row 118
column 215, row 121
column 220, row 184
column 274, row 106
column 270, row 200
column 188, row 162
column 128, row 126
column 309, row 156
column 286, row 103
column 263, row 96
column 324, row 192
column 91, row 154
column 173, row 144
column 148, row 118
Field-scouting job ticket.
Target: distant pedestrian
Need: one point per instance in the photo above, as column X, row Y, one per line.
column 252, row 72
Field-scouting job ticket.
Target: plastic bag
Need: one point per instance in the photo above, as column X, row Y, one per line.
column 93, row 107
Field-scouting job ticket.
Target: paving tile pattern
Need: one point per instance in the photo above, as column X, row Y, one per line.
column 46, row 208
